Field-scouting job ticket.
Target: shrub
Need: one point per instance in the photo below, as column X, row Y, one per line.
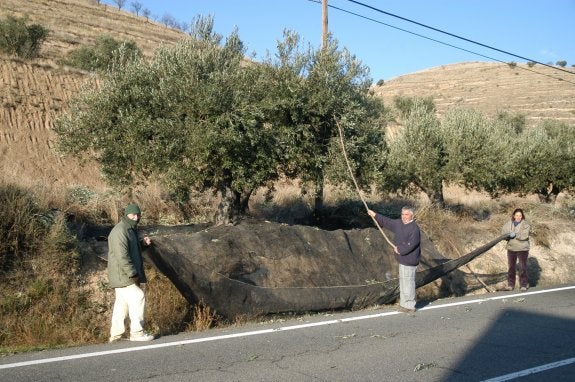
column 52, row 293
column 406, row 104
column 20, row 39
column 19, row 228
column 106, row 52
column 39, row 304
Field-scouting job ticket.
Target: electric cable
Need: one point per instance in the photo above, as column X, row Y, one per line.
column 451, row 45
column 456, row 36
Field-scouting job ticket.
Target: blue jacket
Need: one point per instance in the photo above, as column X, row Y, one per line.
column 407, row 239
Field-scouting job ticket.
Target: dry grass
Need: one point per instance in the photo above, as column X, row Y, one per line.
column 53, row 295
column 39, row 303
column 204, row 318
column 167, row 311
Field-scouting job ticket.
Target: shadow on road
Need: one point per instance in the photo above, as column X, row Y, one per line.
column 516, row 341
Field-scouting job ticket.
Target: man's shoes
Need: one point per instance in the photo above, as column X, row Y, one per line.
column 524, row 289
column 505, row 289
column 115, row 338
column 141, row 337
column 405, row 310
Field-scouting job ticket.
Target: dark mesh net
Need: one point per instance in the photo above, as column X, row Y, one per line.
column 252, row 269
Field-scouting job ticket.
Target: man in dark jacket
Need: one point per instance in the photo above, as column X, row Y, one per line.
column 125, row 274
column 407, row 252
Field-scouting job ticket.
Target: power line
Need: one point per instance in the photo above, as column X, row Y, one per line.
column 456, row 36
column 450, row 45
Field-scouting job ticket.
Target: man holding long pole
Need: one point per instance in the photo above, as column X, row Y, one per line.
column 407, row 251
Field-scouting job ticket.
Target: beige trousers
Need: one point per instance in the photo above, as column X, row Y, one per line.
column 130, row 302
column 407, row 286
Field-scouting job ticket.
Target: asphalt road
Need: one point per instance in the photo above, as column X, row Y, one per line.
column 502, row 336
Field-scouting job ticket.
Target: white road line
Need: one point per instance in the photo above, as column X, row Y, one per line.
column 265, row 331
column 533, row 370
column 499, row 297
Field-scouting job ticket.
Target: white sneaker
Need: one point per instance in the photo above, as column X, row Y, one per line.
column 141, row 336
column 115, row 338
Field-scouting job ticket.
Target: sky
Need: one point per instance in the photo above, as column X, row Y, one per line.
column 538, row 30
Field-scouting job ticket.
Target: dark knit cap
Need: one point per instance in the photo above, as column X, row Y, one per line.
column 132, row 208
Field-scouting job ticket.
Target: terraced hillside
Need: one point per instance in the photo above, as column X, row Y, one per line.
column 78, row 22
column 33, row 93
column 538, row 92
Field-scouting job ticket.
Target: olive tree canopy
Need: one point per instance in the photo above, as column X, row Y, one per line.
column 331, row 87
column 463, row 148
column 193, row 117
column 199, row 116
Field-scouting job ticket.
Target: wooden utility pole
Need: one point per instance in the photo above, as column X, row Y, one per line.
column 325, row 30
column 319, row 186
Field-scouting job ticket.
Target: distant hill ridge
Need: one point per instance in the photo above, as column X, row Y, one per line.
column 539, row 92
column 33, row 93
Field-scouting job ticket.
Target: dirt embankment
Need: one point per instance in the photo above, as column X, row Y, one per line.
column 33, row 93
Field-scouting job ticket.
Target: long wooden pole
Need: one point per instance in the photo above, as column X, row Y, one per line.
column 355, row 182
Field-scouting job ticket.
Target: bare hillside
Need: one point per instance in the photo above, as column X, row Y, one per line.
column 538, row 93
column 78, row 22
column 31, row 96
column 33, row 93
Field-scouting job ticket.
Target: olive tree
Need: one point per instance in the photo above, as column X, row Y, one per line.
column 193, row 117
column 416, row 155
column 330, row 86
column 199, row 116
column 463, row 148
column 404, row 105
column 562, row 142
column 543, row 161
column 476, row 149
column 105, row 52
